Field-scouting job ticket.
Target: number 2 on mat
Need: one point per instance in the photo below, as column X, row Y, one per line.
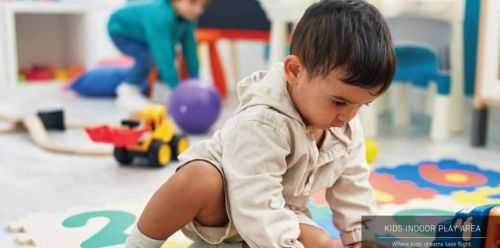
column 111, row 234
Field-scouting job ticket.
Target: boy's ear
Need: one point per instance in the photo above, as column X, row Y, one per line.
column 293, row 68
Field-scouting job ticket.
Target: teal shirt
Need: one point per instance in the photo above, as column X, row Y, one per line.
column 155, row 23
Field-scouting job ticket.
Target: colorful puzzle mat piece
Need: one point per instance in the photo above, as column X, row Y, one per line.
column 437, row 206
column 445, row 176
column 106, row 227
column 480, row 196
column 426, row 188
column 390, row 190
column 322, row 215
column 85, row 227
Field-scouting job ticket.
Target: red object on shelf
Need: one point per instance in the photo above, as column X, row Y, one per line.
column 43, row 73
column 39, row 73
column 119, row 137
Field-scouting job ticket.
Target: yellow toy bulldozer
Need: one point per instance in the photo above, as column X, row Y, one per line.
column 148, row 134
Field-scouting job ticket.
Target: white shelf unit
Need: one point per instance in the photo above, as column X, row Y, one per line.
column 59, row 33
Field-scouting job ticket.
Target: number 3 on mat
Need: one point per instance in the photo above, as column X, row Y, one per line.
column 112, row 234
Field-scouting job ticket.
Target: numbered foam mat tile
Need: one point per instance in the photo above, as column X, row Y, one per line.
column 83, row 227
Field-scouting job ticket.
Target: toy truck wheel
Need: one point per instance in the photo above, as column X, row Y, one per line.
column 160, row 154
column 122, row 156
column 179, row 143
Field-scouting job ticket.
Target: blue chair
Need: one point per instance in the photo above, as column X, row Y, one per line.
column 437, row 34
column 423, row 48
column 419, row 66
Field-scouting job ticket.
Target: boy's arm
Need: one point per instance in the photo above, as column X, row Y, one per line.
column 254, row 164
column 352, row 197
column 160, row 40
column 189, row 50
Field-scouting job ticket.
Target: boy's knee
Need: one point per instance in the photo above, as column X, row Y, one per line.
column 202, row 178
column 204, row 184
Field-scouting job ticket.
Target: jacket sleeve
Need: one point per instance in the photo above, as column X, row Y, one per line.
column 254, row 162
column 160, row 40
column 189, row 50
column 352, row 197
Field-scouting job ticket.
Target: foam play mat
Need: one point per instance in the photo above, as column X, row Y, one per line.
column 425, row 188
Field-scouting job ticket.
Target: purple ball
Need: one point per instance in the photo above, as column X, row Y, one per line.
column 195, row 106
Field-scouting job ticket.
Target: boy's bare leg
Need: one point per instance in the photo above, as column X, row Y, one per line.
column 196, row 191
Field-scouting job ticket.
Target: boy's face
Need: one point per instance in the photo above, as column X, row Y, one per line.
column 190, row 9
column 324, row 102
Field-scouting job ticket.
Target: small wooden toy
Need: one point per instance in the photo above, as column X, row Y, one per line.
column 38, row 126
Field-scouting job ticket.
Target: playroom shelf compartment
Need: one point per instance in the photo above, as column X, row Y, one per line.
column 52, row 33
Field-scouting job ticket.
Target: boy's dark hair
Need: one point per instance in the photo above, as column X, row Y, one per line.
column 346, row 34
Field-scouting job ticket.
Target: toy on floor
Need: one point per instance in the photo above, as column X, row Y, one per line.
column 148, row 134
column 38, row 125
column 470, row 228
column 371, row 150
column 195, row 106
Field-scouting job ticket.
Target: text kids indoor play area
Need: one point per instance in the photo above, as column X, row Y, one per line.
column 249, row 123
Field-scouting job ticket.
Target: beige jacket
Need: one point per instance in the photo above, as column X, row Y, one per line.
column 272, row 165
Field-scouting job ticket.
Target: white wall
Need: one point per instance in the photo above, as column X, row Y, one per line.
column 43, row 38
column 249, row 58
column 3, row 54
column 99, row 45
column 61, row 39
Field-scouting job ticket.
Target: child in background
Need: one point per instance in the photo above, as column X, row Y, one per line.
column 148, row 31
column 296, row 132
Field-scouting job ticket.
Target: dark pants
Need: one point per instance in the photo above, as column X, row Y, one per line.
column 143, row 61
